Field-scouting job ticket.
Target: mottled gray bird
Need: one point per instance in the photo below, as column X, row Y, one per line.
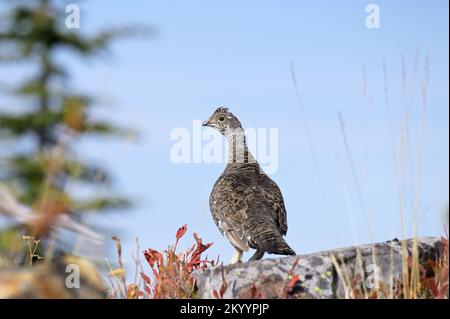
column 246, row 205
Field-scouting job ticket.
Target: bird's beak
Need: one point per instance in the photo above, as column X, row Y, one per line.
column 205, row 123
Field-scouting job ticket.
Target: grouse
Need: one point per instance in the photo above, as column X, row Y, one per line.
column 245, row 203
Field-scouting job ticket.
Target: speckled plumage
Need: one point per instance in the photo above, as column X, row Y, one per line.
column 246, row 204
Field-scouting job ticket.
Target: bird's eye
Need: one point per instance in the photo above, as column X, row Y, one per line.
column 222, row 118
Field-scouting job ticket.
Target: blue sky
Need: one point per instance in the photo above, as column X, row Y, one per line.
column 238, row 54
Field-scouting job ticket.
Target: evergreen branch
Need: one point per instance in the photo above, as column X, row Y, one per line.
column 102, row 203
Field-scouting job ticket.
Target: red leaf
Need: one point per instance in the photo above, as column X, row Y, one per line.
column 431, row 284
column 181, row 231
column 146, row 278
column 224, row 286
column 293, row 280
column 200, row 246
column 151, row 256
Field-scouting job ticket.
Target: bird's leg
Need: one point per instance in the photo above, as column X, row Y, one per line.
column 258, row 255
column 236, row 256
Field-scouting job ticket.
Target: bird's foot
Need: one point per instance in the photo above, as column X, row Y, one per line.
column 257, row 256
column 237, row 256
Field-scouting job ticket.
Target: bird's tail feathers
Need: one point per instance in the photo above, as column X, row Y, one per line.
column 272, row 242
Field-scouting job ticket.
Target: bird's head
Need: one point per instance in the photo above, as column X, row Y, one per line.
column 223, row 120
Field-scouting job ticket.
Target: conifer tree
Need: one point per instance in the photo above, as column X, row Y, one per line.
column 49, row 114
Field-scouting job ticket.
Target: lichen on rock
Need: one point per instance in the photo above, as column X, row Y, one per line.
column 328, row 274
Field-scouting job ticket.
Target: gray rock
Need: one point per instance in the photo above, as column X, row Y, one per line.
column 328, row 274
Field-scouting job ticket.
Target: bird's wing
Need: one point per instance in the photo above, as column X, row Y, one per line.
column 229, row 207
column 272, row 196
